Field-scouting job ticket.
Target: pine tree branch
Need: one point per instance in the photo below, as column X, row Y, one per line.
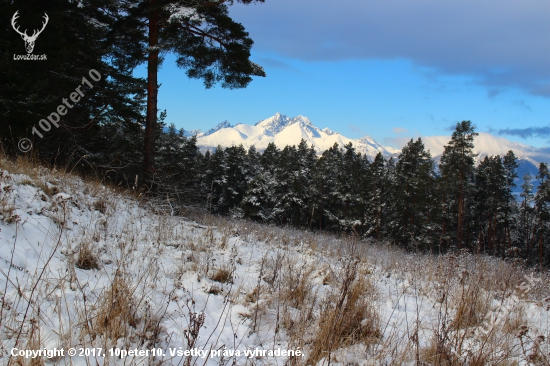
column 199, row 32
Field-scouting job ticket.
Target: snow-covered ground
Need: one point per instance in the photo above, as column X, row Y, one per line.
column 86, row 267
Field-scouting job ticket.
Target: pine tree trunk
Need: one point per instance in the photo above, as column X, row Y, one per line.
column 460, row 211
column 152, row 91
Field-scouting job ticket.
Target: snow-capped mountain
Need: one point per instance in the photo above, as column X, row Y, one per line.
column 283, row 130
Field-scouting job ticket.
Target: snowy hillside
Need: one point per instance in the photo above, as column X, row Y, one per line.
column 283, row 131
column 87, row 267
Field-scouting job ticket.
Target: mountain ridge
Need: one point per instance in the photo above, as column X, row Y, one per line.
column 283, row 130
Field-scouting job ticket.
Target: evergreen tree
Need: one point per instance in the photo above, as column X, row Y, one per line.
column 270, row 157
column 251, row 164
column 527, row 216
column 100, row 126
column 303, row 186
column 285, row 169
column 491, row 202
column 235, row 184
column 510, row 163
column 414, row 196
column 376, row 191
column 457, row 171
column 216, row 180
column 207, row 42
column 326, row 198
column 542, row 211
column 348, row 188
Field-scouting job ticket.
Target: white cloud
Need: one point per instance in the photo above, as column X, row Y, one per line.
column 399, row 130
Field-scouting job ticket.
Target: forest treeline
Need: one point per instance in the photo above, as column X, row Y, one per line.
column 408, row 201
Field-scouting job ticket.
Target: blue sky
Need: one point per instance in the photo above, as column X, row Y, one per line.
column 392, row 69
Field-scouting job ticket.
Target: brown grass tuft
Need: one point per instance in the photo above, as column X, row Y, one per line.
column 222, row 275
column 116, row 310
column 86, row 258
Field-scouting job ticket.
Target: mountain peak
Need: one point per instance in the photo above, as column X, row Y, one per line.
column 328, row 131
column 224, row 124
column 276, row 123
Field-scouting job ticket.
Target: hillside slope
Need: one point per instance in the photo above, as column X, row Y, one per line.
column 85, row 266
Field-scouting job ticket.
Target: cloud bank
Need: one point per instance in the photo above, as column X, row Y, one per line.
column 500, row 43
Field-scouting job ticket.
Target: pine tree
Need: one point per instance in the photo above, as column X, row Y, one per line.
column 307, row 159
column 102, row 128
column 542, row 210
column 326, row 198
column 207, row 42
column 510, row 163
column 259, row 200
column 252, row 164
column 270, row 157
column 235, row 184
column 457, row 171
column 348, row 188
column 414, row 196
column 527, row 216
column 491, row 201
column 376, row 190
column 216, row 180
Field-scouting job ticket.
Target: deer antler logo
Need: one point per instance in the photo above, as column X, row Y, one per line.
column 29, row 40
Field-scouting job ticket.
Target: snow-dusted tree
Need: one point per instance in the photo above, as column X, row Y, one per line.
column 457, row 172
column 235, row 184
column 251, row 164
column 325, row 196
column 414, row 196
column 293, row 174
column 259, row 200
column 270, row 157
column 216, row 180
column 348, row 188
column 527, row 216
column 511, row 209
column 542, row 209
column 285, row 169
column 375, row 189
column 490, row 204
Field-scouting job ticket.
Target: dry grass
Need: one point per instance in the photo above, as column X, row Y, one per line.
column 222, row 275
column 116, row 310
column 86, row 258
column 349, row 319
